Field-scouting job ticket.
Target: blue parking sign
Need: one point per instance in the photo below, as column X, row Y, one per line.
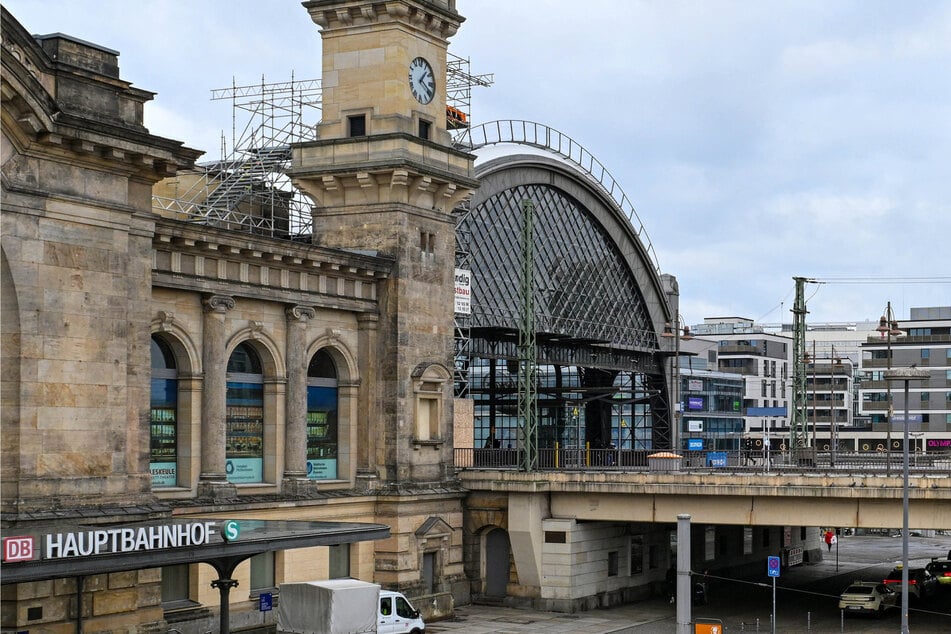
column 772, row 566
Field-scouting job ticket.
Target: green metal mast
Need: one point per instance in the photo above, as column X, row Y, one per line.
column 797, row 430
column 527, row 374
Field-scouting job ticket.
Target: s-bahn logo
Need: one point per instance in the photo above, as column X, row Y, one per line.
column 18, row 549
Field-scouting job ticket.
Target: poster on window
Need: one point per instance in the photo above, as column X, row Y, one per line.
column 244, row 470
column 163, row 474
column 325, row 469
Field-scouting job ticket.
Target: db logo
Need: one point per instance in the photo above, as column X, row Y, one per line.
column 18, row 549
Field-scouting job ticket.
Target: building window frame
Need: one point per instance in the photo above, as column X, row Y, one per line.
column 245, row 417
column 323, row 424
column 164, row 437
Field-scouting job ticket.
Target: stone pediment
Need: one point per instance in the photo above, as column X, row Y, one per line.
column 434, row 527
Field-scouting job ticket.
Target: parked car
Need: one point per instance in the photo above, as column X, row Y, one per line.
column 940, row 569
column 921, row 583
column 868, row 597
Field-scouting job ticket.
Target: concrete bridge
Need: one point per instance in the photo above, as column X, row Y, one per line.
column 816, row 498
column 601, row 531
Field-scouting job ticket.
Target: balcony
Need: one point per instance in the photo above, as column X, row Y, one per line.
column 751, row 350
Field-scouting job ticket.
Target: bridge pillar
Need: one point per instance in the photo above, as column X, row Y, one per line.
column 525, row 515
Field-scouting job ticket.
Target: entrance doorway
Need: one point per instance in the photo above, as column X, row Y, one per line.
column 497, row 555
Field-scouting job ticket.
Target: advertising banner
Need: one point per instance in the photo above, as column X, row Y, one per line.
column 463, row 294
column 325, row 469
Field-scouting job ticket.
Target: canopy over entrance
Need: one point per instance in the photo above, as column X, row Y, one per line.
column 76, row 550
column 62, row 550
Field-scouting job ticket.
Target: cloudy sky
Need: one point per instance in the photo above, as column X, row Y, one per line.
column 758, row 141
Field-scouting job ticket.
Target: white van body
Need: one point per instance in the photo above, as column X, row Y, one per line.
column 344, row 606
column 397, row 615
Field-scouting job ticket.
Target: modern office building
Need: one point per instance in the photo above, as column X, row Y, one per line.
column 829, row 399
column 712, row 410
column 922, row 341
column 764, row 361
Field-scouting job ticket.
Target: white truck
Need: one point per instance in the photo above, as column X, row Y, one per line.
column 344, row 606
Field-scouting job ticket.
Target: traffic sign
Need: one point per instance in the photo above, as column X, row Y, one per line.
column 772, row 566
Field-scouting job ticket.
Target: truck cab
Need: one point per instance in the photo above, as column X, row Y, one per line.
column 397, row 615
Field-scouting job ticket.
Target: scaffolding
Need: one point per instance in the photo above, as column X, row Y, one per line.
column 459, row 84
column 462, row 342
column 248, row 189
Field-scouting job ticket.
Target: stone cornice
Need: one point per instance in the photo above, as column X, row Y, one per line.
column 39, row 124
column 436, row 18
column 391, row 169
column 199, row 258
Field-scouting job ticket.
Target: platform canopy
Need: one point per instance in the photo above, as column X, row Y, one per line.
column 73, row 550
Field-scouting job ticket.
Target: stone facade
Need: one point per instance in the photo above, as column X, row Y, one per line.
column 93, row 280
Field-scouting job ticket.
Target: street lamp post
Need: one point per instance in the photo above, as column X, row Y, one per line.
column 907, row 375
column 888, row 326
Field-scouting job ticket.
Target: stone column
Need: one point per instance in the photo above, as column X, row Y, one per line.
column 368, row 412
column 212, row 481
column 295, row 425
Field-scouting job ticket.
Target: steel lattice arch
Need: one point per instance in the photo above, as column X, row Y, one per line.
column 599, row 301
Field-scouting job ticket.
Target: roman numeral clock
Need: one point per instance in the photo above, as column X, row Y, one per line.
column 422, row 82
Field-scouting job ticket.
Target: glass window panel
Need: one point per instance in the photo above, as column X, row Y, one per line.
column 175, row 583
column 262, row 571
column 244, row 411
column 340, row 561
column 163, row 416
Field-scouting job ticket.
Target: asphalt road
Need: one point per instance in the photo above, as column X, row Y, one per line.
column 806, row 601
column 807, row 596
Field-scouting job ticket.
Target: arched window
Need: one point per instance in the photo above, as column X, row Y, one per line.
column 244, row 441
column 322, row 418
column 163, row 419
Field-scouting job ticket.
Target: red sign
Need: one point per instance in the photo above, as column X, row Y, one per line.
column 18, row 549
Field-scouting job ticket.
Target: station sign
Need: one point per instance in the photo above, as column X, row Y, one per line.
column 101, row 541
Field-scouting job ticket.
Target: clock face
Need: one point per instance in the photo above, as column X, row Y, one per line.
column 422, row 82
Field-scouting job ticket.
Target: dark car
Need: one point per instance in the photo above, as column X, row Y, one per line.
column 921, row 583
column 940, row 569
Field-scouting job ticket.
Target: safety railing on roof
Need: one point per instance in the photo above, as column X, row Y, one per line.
column 638, row 460
column 542, row 136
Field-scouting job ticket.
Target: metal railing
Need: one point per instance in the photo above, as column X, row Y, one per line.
column 756, row 461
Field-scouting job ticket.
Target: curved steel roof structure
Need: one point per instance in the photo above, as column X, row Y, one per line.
column 599, row 299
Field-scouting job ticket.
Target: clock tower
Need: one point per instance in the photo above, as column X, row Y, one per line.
column 384, row 177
